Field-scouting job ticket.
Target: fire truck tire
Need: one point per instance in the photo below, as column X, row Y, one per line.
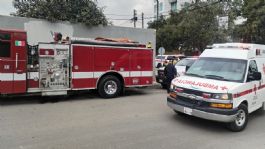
column 109, row 87
column 241, row 120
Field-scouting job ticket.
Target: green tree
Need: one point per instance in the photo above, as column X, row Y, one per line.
column 75, row 11
column 196, row 26
column 254, row 28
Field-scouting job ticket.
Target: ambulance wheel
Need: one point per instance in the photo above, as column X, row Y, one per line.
column 109, row 87
column 241, row 120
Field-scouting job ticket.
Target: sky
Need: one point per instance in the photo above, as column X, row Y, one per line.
column 117, row 11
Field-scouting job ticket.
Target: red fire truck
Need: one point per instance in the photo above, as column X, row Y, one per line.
column 50, row 69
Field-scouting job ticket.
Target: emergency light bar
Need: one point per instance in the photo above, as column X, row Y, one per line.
column 233, row 46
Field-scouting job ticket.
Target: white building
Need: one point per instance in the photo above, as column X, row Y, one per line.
column 166, row 6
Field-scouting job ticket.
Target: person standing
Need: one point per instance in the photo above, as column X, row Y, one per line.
column 170, row 73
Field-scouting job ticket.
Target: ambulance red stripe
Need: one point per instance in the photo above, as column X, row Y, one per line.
column 243, row 93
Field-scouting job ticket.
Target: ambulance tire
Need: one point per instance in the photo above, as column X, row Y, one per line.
column 109, row 87
column 241, row 122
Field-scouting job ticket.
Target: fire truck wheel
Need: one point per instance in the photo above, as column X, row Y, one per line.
column 241, row 120
column 109, row 87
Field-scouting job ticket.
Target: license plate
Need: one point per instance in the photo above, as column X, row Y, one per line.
column 188, row 111
column 160, row 80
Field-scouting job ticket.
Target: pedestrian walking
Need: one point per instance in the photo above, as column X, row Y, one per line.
column 170, row 73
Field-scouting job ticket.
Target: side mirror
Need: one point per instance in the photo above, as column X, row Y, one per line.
column 256, row 76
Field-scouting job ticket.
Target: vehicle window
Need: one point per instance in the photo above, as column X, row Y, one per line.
column 252, row 68
column 219, row 69
column 160, row 57
column 4, row 36
column 171, row 57
column 185, row 62
column 5, row 45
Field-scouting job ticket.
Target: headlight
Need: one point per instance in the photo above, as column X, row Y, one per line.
column 222, row 96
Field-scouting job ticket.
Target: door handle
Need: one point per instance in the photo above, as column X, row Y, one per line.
column 16, row 60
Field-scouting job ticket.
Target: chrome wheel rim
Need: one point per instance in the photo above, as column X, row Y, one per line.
column 110, row 87
column 241, row 118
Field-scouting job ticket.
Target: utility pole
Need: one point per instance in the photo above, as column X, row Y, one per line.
column 134, row 18
column 142, row 20
column 157, row 9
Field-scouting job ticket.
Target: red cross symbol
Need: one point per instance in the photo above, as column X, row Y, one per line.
column 224, row 88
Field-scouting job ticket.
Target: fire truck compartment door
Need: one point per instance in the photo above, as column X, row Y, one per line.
column 141, row 67
column 83, row 67
column 19, row 55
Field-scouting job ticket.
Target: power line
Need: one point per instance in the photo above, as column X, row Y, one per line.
column 117, row 19
column 117, row 15
column 125, row 15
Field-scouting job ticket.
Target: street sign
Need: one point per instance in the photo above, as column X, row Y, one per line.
column 161, row 50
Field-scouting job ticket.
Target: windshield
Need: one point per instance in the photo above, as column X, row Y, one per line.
column 185, row 62
column 160, row 57
column 219, row 69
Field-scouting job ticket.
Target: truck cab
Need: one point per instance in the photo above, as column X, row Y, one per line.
column 13, row 59
column 225, row 84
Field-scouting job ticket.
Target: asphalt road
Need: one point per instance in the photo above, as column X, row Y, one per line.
column 138, row 120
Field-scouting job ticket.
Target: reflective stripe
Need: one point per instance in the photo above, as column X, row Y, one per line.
column 98, row 74
column 125, row 73
column 33, row 75
column 12, row 76
column 135, row 73
column 19, row 77
column 82, row 75
column 6, row 76
column 147, row 73
column 89, row 75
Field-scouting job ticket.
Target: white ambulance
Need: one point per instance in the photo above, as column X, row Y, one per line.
column 225, row 84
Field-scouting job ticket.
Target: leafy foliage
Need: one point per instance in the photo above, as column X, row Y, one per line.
column 75, row 11
column 197, row 26
column 254, row 28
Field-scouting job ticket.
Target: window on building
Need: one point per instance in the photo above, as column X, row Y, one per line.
column 160, row 7
column 5, row 45
column 174, row 6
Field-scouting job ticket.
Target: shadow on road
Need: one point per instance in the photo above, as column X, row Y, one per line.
column 197, row 123
column 192, row 123
column 83, row 95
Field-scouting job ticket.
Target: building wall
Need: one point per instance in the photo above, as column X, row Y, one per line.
column 40, row 30
column 167, row 6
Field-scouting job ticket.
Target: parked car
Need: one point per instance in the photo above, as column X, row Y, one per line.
column 160, row 59
column 182, row 66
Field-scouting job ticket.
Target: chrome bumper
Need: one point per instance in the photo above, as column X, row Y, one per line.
column 204, row 115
